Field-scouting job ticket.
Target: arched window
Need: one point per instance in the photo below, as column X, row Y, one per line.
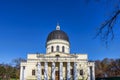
column 57, row 48
column 52, row 48
column 63, row 49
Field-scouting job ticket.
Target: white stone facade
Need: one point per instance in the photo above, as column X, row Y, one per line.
column 57, row 64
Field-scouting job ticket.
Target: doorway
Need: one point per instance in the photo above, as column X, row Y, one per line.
column 56, row 75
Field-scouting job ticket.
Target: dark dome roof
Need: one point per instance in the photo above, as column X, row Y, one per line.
column 57, row 34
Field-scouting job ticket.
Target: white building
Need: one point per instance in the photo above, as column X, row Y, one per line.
column 58, row 63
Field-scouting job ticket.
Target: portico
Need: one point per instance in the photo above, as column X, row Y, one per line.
column 57, row 69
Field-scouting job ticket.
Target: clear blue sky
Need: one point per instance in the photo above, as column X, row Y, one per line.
column 25, row 24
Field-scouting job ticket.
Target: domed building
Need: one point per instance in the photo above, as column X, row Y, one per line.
column 58, row 63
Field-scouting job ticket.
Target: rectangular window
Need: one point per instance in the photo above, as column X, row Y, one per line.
column 81, row 72
column 23, row 67
column 33, row 72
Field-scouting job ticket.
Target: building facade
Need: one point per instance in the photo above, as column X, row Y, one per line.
column 58, row 63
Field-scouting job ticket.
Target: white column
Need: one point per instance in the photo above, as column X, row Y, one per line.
column 46, row 71
column 93, row 72
column 75, row 71
column 61, row 71
column 53, row 70
column 39, row 71
column 88, row 72
column 22, row 71
column 68, row 70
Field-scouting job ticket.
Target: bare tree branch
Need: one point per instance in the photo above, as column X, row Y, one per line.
column 106, row 29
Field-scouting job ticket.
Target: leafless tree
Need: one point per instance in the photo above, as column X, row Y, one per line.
column 106, row 30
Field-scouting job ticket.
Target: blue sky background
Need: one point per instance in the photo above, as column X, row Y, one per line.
column 25, row 24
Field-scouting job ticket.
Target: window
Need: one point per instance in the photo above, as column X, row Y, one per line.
column 33, row 72
column 63, row 49
column 23, row 67
column 52, row 48
column 71, row 71
column 57, row 48
column 81, row 72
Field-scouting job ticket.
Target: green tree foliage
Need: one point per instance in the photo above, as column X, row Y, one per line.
column 2, row 71
column 7, row 71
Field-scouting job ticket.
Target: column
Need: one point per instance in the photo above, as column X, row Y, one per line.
column 53, row 70
column 68, row 70
column 75, row 71
column 22, row 71
column 61, row 71
column 93, row 72
column 46, row 71
column 88, row 73
column 39, row 71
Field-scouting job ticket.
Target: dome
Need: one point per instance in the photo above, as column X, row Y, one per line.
column 57, row 34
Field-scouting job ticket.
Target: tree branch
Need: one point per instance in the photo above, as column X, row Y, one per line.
column 106, row 29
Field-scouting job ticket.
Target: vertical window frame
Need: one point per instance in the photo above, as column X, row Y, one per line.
column 57, row 48
column 52, row 49
column 63, row 49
